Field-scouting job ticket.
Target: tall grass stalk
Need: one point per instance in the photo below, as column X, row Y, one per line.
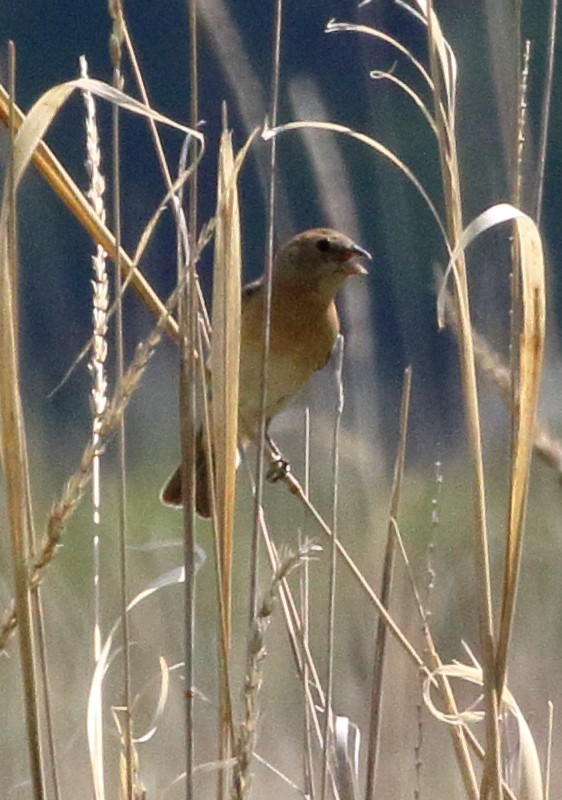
column 545, row 111
column 519, row 386
column 330, row 639
column 385, row 591
column 308, row 764
column 115, row 51
column 63, row 185
column 443, row 75
column 256, row 653
column 14, row 459
column 100, row 303
column 268, row 273
column 188, row 326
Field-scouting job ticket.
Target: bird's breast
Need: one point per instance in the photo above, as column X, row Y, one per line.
column 302, row 336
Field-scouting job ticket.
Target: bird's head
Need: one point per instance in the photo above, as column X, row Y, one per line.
column 320, row 259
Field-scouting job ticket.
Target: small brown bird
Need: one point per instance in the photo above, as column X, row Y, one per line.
column 307, row 273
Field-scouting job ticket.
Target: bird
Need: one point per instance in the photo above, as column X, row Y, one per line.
column 307, row 273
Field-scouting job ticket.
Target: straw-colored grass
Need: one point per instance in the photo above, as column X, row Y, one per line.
column 232, row 701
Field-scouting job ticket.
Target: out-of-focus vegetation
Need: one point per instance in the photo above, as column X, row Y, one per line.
column 389, row 320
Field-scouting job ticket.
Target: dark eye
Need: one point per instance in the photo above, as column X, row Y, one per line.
column 323, row 245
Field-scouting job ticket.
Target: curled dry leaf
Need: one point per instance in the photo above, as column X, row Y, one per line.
column 523, row 762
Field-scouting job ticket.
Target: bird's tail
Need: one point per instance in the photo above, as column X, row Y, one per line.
column 172, row 493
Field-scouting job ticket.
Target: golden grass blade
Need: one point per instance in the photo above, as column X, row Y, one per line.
column 225, row 357
column 336, row 27
column 491, row 365
column 269, row 133
column 66, row 505
column 446, row 104
column 14, row 461
column 529, row 315
column 445, row 55
column 378, row 75
column 44, row 110
column 534, row 314
column 224, row 362
column 169, row 197
column 63, row 185
column 495, row 215
column 444, row 73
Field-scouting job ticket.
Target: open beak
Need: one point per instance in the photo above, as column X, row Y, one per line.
column 353, row 267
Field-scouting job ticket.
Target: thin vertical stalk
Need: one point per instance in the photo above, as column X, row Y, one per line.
column 545, row 112
column 510, row 578
column 296, row 489
column 223, row 639
column 188, row 312
column 333, row 568
column 304, row 615
column 386, row 587
column 12, row 436
column 258, row 498
column 12, row 230
column 518, row 194
column 48, row 713
column 444, row 116
column 548, row 755
column 115, row 43
column 100, row 304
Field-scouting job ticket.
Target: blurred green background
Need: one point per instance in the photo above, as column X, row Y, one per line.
column 389, row 321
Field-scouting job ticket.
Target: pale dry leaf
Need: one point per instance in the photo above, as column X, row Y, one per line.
column 524, row 766
column 269, row 133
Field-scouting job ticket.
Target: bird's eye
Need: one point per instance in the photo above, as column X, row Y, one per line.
column 323, row 245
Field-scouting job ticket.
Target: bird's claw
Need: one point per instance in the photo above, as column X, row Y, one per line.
column 278, row 470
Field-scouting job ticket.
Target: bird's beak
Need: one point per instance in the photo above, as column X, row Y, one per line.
column 353, row 267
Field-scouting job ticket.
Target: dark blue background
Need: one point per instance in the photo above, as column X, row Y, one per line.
column 392, row 221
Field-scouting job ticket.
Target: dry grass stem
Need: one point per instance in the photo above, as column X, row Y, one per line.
column 300, row 648
column 115, row 49
column 187, row 397
column 225, row 359
column 548, row 758
column 490, row 364
column 270, row 133
column 296, row 489
column 100, row 304
column 518, row 193
column 268, row 277
column 328, row 708
column 245, row 739
column 527, row 356
column 443, row 73
column 61, row 182
column 545, row 112
column 385, row 591
column 14, row 459
column 75, row 487
column 483, row 760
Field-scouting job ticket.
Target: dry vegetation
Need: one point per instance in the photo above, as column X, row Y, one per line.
column 357, row 697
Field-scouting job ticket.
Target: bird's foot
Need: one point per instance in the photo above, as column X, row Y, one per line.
column 278, row 469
